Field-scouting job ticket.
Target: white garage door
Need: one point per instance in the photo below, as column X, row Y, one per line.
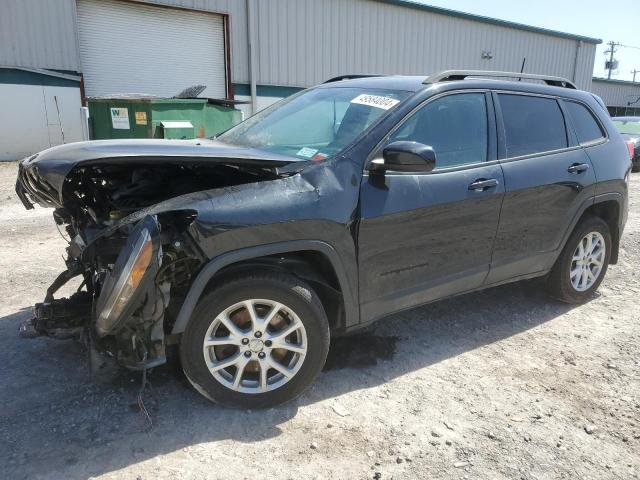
column 128, row 48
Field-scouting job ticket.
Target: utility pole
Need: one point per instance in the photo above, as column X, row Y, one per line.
column 634, row 71
column 610, row 64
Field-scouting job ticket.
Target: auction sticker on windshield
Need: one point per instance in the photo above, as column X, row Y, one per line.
column 306, row 152
column 377, row 101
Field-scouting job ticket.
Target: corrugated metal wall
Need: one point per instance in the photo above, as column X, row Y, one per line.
column 303, row 42
column 43, row 34
column 38, row 34
column 616, row 93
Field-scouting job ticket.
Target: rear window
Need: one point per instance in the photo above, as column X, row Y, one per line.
column 532, row 124
column 587, row 128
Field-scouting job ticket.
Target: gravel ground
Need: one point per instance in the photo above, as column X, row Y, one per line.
column 504, row 383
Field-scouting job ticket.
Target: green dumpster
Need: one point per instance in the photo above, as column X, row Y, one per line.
column 150, row 117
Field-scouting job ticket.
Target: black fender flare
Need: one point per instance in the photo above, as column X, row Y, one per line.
column 351, row 306
column 600, row 198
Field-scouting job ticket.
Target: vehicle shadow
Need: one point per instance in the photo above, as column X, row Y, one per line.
column 55, row 422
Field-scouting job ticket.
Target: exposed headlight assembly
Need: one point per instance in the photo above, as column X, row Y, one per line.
column 136, row 265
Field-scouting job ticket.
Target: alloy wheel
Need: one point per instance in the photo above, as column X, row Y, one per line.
column 255, row 346
column 587, row 261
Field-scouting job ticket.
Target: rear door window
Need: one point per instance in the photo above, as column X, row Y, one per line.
column 532, row 124
column 587, row 127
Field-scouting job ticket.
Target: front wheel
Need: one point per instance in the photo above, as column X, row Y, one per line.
column 583, row 262
column 256, row 341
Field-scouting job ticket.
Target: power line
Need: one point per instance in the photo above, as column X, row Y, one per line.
column 612, row 63
column 628, row 46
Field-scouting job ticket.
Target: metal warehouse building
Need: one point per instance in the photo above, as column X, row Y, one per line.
column 620, row 97
column 55, row 53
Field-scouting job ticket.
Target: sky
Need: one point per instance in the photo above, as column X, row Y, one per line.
column 615, row 20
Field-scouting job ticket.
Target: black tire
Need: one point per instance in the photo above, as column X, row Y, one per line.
column 559, row 281
column 285, row 289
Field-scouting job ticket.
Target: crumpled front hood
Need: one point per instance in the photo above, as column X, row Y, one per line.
column 45, row 172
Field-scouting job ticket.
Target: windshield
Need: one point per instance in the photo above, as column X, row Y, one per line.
column 315, row 124
column 630, row 127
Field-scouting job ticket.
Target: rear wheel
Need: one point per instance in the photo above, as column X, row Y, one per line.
column 256, row 341
column 583, row 262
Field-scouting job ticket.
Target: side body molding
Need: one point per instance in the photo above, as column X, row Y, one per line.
column 351, row 306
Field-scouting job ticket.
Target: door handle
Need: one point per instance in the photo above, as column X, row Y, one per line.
column 482, row 184
column 578, row 168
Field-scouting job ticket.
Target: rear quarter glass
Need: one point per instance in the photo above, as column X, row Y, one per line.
column 586, row 126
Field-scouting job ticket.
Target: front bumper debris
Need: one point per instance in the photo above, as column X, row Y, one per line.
column 61, row 318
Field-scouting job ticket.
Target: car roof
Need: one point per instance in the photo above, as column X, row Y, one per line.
column 390, row 82
column 416, row 83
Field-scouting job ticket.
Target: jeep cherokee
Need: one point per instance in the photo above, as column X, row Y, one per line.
column 335, row 207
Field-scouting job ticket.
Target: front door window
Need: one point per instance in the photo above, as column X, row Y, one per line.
column 455, row 126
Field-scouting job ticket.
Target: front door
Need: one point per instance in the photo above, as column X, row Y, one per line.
column 424, row 236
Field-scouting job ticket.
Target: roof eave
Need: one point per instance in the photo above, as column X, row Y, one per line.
column 490, row 20
column 615, row 80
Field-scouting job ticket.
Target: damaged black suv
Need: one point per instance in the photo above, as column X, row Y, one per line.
column 323, row 213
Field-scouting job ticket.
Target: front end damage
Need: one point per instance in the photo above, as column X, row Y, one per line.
column 120, row 307
column 135, row 258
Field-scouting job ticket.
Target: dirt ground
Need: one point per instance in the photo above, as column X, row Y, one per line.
column 505, row 383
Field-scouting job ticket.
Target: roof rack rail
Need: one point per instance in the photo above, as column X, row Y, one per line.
column 349, row 77
column 450, row 75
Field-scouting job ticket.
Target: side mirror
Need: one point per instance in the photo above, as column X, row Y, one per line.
column 405, row 157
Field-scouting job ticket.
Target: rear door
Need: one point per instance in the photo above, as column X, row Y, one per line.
column 548, row 177
column 424, row 236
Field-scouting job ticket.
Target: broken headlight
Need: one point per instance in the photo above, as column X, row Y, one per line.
column 136, row 264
